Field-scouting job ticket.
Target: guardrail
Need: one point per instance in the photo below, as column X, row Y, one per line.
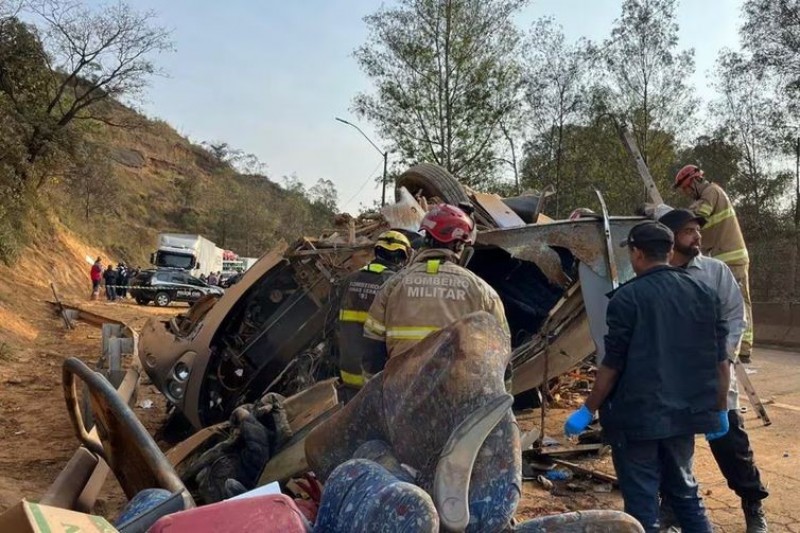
column 80, row 482
column 777, row 324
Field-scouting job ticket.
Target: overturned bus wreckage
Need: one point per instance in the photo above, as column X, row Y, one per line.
column 253, row 372
column 272, row 331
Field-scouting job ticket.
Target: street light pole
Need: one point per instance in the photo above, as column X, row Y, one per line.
column 384, row 153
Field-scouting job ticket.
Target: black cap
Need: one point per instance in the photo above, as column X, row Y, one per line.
column 678, row 218
column 648, row 232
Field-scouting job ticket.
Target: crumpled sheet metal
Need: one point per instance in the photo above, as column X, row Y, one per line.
column 420, row 398
column 404, row 214
column 582, row 522
column 584, row 238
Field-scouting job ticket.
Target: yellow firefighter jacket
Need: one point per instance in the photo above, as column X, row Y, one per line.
column 722, row 236
column 358, row 293
column 432, row 292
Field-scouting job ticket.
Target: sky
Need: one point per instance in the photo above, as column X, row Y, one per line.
column 269, row 77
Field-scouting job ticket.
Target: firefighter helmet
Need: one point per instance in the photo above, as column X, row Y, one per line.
column 393, row 241
column 686, row 176
column 446, row 223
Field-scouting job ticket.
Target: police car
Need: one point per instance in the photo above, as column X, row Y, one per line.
column 164, row 286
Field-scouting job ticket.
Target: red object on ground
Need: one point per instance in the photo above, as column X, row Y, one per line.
column 271, row 513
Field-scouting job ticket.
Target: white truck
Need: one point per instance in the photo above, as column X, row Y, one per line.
column 192, row 253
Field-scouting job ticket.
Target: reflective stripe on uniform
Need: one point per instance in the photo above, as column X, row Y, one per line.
column 432, row 266
column 705, row 210
column 354, row 380
column 350, row 315
column 377, row 268
column 410, row 333
column 715, row 219
column 374, row 326
column 747, row 336
column 733, row 255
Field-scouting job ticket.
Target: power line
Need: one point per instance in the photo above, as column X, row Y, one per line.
column 370, row 177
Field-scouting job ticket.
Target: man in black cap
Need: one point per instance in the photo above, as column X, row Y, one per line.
column 664, row 378
column 731, row 451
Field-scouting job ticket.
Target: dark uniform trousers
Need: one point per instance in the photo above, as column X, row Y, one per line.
column 735, row 459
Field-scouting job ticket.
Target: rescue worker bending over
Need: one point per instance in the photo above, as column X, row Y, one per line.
column 433, row 291
column 722, row 237
column 358, row 292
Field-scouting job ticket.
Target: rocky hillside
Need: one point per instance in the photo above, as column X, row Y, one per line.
column 145, row 178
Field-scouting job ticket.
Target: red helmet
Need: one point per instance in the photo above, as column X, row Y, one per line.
column 446, row 223
column 687, row 175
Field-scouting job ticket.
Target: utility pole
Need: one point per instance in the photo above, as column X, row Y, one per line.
column 384, row 154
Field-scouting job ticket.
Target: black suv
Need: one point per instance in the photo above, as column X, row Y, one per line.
column 165, row 286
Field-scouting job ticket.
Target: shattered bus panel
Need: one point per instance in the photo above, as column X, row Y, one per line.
column 273, row 330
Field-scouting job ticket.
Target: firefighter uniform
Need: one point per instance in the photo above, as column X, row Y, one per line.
column 358, row 293
column 723, row 240
column 432, row 292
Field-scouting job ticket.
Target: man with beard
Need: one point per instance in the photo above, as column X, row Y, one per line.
column 732, row 450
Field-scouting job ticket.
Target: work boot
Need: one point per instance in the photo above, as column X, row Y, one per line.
column 754, row 517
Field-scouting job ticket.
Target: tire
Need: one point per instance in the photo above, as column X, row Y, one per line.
column 432, row 180
column 162, row 299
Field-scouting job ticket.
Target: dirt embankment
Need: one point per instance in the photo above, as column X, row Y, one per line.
column 36, row 438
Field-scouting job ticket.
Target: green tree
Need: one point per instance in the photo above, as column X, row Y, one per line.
column 445, row 75
column 324, row 194
column 643, row 76
column 555, row 94
column 771, row 33
column 750, row 117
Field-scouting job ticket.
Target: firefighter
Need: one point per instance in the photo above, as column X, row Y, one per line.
column 722, row 237
column 434, row 290
column 392, row 250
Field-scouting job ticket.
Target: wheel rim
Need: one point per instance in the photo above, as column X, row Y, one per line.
column 162, row 299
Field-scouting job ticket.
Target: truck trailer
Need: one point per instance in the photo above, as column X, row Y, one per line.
column 192, row 253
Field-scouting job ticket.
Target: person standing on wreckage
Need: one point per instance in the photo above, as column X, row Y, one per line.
column 358, row 355
column 731, row 451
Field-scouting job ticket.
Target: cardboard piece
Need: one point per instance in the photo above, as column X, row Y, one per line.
column 29, row 517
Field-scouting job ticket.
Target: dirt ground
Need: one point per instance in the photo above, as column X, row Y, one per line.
column 36, row 439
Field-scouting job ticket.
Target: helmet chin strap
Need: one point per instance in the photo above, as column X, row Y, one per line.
column 696, row 189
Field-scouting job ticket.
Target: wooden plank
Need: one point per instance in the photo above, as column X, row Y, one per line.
column 633, row 150
column 307, row 405
column 570, row 450
column 291, row 460
column 602, row 476
column 184, row 449
column 500, row 212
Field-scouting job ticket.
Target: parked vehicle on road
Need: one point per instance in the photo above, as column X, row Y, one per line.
column 165, row 286
column 192, row 253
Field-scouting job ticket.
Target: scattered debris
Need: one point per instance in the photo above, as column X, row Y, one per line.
column 545, row 483
column 601, row 476
column 602, row 487
column 559, row 474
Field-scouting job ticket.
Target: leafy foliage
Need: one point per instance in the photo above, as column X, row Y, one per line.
column 445, row 75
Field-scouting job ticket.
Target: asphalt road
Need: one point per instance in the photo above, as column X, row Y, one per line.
column 777, row 448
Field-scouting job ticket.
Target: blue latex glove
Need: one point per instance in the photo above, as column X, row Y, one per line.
column 724, row 426
column 578, row 421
